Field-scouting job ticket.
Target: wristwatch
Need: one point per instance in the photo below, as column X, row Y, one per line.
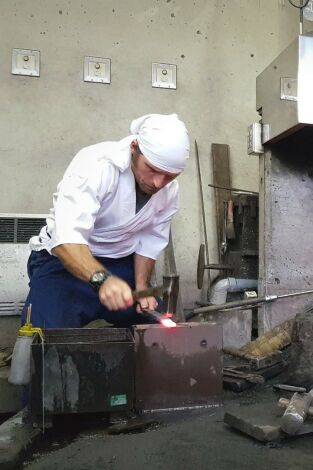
column 98, row 278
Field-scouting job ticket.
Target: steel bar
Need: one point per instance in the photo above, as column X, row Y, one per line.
column 218, row 267
column 203, row 216
column 234, row 190
column 289, row 388
column 247, row 303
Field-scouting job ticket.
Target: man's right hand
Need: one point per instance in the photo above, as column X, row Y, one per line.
column 116, row 294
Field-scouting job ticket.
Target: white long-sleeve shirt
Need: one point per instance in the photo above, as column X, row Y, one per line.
column 95, row 205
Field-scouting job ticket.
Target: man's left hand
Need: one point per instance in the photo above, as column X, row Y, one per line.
column 147, row 303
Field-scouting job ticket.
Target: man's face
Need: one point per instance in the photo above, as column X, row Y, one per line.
column 149, row 178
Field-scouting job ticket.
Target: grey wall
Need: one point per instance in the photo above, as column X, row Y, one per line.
column 219, row 48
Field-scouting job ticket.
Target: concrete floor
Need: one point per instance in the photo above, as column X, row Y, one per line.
column 196, row 441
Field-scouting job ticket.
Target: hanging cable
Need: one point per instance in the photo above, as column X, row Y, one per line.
column 300, row 7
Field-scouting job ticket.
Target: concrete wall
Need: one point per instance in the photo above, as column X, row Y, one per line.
column 219, row 48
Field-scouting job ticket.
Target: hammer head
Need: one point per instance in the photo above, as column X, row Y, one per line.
column 170, row 293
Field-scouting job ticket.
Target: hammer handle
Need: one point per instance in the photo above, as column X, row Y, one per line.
column 150, row 292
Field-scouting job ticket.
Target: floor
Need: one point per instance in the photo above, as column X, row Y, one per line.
column 197, row 440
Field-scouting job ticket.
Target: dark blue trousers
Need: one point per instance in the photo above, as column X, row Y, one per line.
column 60, row 300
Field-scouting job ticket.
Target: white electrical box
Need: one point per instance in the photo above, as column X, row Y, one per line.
column 254, row 139
column 97, row 69
column 26, row 62
column 250, row 294
column 288, row 89
column 164, row 75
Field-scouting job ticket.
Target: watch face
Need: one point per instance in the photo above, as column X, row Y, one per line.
column 98, row 277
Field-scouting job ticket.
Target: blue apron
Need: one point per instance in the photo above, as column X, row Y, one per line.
column 60, row 300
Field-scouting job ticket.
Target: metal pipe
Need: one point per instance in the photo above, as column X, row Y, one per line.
column 230, row 284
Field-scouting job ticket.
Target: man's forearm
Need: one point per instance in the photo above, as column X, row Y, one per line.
column 143, row 271
column 78, row 260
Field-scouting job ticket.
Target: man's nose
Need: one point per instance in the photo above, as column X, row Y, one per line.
column 159, row 181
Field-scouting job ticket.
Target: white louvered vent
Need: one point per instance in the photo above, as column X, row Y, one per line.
column 15, row 232
column 7, row 308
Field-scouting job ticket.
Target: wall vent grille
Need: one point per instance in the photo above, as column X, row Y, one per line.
column 11, row 308
column 7, row 308
column 19, row 229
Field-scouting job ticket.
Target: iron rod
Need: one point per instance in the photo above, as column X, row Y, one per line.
column 240, row 303
column 203, row 218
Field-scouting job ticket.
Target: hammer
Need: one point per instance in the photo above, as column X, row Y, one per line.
column 169, row 292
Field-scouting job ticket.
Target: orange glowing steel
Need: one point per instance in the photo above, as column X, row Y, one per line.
column 168, row 323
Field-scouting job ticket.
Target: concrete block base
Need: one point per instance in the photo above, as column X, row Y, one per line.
column 237, row 327
column 16, row 436
column 261, row 421
column 10, row 395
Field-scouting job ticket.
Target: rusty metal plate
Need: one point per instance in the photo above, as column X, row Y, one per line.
column 178, row 367
column 83, row 371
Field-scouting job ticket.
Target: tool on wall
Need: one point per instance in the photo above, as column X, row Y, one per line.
column 230, row 229
column 234, row 190
column 203, row 217
column 224, row 244
column 221, row 179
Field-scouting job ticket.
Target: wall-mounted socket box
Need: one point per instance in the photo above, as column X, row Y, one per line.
column 97, row 69
column 26, row 62
column 164, row 75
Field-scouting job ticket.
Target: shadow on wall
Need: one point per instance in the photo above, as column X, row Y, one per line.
column 295, row 151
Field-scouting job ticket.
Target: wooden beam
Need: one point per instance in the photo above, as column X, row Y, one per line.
column 221, row 177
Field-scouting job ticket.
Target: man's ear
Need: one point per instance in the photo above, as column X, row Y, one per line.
column 134, row 145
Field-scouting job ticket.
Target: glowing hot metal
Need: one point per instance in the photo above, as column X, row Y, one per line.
column 164, row 319
column 168, row 323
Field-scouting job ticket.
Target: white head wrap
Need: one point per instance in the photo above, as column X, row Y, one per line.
column 163, row 140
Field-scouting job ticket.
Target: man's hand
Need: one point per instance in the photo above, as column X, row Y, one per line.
column 147, row 303
column 116, row 294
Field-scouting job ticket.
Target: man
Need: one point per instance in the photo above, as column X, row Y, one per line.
column 110, row 221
